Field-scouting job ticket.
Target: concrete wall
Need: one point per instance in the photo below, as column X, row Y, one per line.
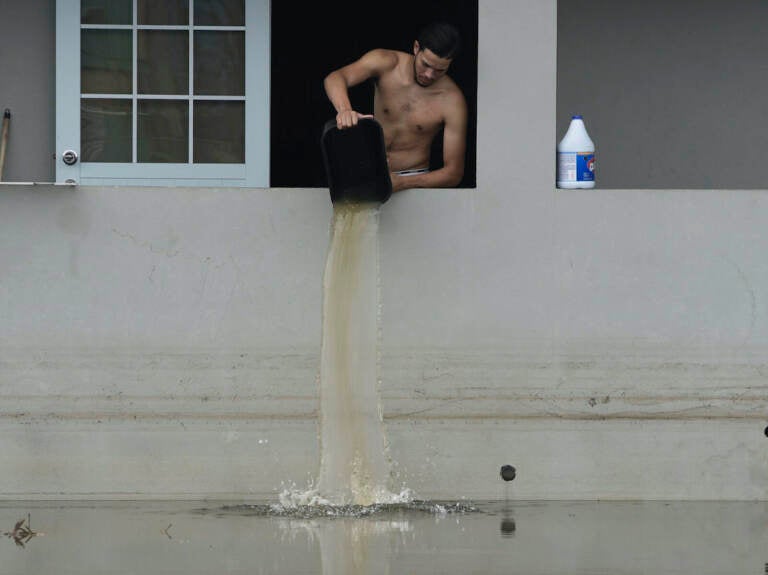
column 669, row 91
column 609, row 344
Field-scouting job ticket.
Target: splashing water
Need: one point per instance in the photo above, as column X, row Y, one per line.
column 318, row 508
column 354, row 464
column 310, row 504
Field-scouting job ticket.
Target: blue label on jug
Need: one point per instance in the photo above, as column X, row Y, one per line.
column 585, row 167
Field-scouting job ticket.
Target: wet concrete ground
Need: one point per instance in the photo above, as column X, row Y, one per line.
column 510, row 537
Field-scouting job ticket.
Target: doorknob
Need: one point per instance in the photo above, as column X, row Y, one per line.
column 69, row 157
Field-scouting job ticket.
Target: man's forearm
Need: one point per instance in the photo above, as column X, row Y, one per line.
column 337, row 92
column 442, row 178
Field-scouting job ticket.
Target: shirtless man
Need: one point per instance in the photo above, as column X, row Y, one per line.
column 414, row 98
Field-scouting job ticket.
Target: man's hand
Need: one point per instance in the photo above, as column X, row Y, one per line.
column 348, row 118
column 398, row 182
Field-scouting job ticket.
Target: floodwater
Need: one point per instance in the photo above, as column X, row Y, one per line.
column 509, row 537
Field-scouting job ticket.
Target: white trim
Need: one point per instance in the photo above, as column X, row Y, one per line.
column 161, row 97
column 148, row 174
column 106, row 96
column 67, row 87
column 106, row 27
column 191, row 87
column 161, row 27
column 222, row 28
column 258, row 20
column 135, row 86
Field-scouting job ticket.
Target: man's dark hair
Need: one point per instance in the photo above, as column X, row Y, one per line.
column 441, row 38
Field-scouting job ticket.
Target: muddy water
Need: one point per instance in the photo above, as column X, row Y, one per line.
column 354, row 465
column 484, row 538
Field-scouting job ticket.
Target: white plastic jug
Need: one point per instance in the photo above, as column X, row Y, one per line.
column 576, row 157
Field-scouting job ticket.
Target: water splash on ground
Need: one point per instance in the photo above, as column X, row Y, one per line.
column 317, row 510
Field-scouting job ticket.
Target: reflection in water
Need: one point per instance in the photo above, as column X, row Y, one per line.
column 22, row 532
column 550, row 538
column 355, row 547
column 508, row 525
column 354, row 539
column 361, row 540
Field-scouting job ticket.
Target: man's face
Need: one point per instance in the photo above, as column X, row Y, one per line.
column 427, row 66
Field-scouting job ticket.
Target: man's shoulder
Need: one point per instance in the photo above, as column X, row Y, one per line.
column 451, row 89
column 386, row 58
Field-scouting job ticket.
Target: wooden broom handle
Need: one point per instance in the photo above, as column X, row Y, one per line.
column 4, row 140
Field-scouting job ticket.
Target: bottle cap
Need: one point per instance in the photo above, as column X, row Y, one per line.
column 576, row 117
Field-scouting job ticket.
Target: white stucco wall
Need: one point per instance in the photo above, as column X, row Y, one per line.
column 609, row 344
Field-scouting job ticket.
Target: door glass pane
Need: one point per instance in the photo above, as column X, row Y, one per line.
column 163, row 62
column 219, row 12
column 168, row 12
column 219, row 132
column 105, row 130
column 105, row 60
column 219, row 63
column 106, row 12
column 162, row 131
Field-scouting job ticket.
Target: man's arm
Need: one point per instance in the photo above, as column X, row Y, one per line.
column 338, row 82
column 454, row 148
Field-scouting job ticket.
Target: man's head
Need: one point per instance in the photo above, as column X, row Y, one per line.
column 434, row 49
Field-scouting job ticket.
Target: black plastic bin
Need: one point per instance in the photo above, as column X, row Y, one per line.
column 356, row 162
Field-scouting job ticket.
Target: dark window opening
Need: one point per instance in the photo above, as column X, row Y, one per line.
column 307, row 45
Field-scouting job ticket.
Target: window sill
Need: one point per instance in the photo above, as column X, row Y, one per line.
column 59, row 184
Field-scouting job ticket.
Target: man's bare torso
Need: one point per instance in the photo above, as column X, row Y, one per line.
column 409, row 114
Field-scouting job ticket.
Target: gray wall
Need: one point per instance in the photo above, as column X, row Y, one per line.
column 27, row 88
column 672, row 92
column 610, row 344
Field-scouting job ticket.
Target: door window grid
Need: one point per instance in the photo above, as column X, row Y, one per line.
column 135, row 97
